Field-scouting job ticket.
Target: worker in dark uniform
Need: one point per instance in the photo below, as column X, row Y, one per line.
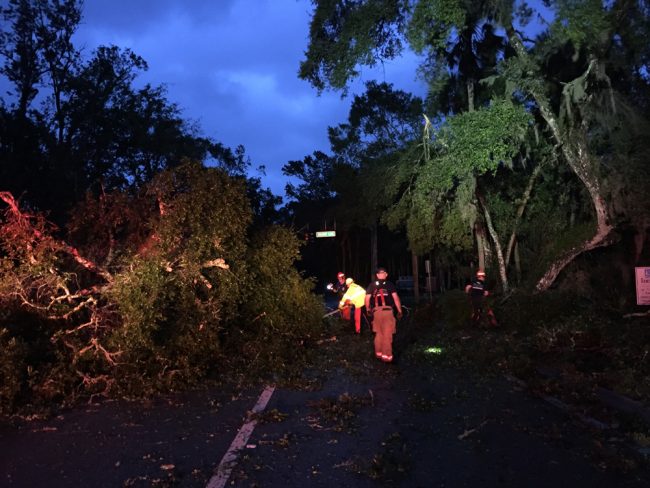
column 340, row 287
column 477, row 293
column 382, row 302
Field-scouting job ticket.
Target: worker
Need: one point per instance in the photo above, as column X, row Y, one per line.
column 477, row 293
column 382, row 302
column 340, row 288
column 355, row 296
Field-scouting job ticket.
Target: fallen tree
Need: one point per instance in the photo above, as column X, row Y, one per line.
column 143, row 291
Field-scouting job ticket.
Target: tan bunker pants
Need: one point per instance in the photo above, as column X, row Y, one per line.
column 383, row 325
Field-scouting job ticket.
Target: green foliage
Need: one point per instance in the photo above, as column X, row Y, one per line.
column 528, row 312
column 144, row 301
column 478, row 142
column 381, row 121
column 454, row 230
column 584, row 23
column 455, row 308
column 174, row 300
column 438, row 207
column 433, row 23
column 13, row 369
column 206, row 214
column 472, row 144
column 345, row 34
column 381, row 125
column 176, row 279
column 316, row 172
column 169, row 329
column 568, row 75
column 280, row 315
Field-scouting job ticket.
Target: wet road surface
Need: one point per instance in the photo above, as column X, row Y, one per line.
column 355, row 421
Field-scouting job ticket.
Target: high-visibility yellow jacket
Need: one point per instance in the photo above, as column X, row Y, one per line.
column 355, row 294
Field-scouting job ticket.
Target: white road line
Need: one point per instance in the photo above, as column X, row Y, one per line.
column 229, row 459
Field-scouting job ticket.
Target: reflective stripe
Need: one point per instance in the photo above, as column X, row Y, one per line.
column 355, row 294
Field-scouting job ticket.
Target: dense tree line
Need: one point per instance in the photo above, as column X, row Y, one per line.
column 530, row 148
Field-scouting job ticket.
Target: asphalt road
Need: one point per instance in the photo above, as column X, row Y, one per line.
column 353, row 421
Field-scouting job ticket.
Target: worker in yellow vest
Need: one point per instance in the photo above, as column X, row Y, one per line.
column 355, row 296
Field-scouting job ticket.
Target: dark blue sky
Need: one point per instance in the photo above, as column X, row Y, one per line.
column 231, row 65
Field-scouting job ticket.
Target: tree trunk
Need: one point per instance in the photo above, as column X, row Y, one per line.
column 573, row 147
column 639, row 242
column 340, row 257
column 355, row 264
column 470, row 95
column 479, row 232
column 373, row 249
column 348, row 256
column 517, row 262
column 497, row 244
column 416, row 276
column 520, row 211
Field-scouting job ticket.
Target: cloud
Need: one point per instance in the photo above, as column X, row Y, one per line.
column 232, row 66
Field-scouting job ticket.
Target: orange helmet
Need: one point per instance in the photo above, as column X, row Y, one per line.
column 340, row 274
column 480, row 273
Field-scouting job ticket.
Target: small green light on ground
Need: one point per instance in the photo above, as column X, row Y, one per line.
column 433, row 350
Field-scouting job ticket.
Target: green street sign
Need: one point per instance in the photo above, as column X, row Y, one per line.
column 326, row 233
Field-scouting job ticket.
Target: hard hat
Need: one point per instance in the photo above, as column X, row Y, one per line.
column 340, row 274
column 480, row 273
column 348, row 281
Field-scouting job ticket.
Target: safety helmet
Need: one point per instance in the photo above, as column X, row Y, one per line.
column 349, row 281
column 340, row 274
column 480, row 273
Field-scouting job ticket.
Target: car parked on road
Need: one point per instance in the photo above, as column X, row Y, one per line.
column 404, row 283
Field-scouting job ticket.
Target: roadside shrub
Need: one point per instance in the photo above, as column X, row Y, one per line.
column 529, row 312
column 455, row 308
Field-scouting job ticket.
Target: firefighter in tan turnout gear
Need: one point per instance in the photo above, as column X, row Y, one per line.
column 382, row 302
column 354, row 296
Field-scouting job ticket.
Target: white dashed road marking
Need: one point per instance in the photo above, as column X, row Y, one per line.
column 229, row 459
